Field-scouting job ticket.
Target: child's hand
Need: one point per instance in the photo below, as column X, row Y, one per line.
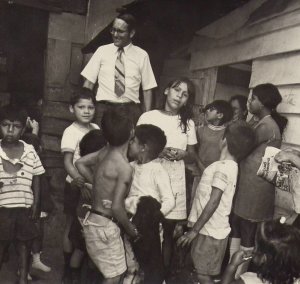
column 187, row 238
column 78, row 182
column 34, row 212
column 34, row 125
column 239, row 257
column 86, row 193
column 178, row 231
column 173, row 154
column 284, row 156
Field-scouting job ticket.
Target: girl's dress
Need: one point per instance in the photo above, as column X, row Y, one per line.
column 255, row 196
column 176, row 138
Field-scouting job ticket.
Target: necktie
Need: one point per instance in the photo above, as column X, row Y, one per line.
column 120, row 74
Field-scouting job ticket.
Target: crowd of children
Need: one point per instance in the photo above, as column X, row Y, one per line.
column 126, row 218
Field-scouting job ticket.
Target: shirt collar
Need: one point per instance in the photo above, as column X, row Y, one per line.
column 27, row 149
column 214, row 127
column 125, row 48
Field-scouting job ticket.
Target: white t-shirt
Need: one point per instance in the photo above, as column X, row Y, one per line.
column 138, row 71
column 71, row 139
column 170, row 124
column 150, row 179
column 178, row 139
column 223, row 175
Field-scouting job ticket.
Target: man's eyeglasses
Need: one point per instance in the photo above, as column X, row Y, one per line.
column 118, row 31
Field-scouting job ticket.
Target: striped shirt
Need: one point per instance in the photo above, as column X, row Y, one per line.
column 15, row 188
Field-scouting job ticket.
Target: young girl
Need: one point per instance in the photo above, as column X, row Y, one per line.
column 254, row 200
column 276, row 257
column 175, row 120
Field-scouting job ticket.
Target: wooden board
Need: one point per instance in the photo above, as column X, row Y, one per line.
column 58, row 62
column 290, row 99
column 51, row 143
column 76, row 64
column 292, row 132
column 279, row 70
column 281, row 41
column 177, row 67
column 56, row 94
column 54, row 126
column 57, row 110
column 67, row 26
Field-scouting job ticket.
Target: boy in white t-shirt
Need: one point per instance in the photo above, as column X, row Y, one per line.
column 149, row 179
column 82, row 105
column 209, row 216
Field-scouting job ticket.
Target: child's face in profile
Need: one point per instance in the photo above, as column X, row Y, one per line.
column 11, row 131
column 84, row 111
column 135, row 148
column 212, row 115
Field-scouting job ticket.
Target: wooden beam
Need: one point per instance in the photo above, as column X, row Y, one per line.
column 57, row 110
column 282, row 41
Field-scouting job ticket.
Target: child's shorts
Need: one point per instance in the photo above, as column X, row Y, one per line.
column 105, row 246
column 15, row 224
column 208, row 254
column 71, row 198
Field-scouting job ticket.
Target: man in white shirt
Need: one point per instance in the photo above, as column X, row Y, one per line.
column 135, row 69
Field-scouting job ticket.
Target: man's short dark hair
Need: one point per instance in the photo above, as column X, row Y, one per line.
column 13, row 113
column 116, row 127
column 153, row 137
column 240, row 139
column 82, row 93
column 129, row 20
column 92, row 142
column 223, row 107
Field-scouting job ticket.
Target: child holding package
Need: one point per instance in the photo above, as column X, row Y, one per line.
column 149, row 179
column 82, row 105
column 20, row 169
column 275, row 256
column 211, row 207
column 112, row 179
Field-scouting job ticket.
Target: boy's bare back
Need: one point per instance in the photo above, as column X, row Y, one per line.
column 112, row 178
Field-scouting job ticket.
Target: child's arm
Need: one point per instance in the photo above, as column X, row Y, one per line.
column 229, row 273
column 288, row 156
column 207, row 212
column 118, row 204
column 36, row 197
column 78, row 180
column 85, row 163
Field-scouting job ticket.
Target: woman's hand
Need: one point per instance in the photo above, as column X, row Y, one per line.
column 239, row 257
column 173, row 154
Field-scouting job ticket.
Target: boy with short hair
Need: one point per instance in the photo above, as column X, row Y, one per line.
column 82, row 105
column 209, row 217
column 20, row 168
column 112, row 179
column 149, row 179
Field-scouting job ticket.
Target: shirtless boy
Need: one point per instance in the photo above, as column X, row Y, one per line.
column 111, row 183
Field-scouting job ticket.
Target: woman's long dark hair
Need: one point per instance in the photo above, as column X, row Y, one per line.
column 270, row 97
column 279, row 245
column 186, row 111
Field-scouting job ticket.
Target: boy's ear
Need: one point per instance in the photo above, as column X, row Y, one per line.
column 131, row 34
column 166, row 91
column 71, row 109
column 220, row 115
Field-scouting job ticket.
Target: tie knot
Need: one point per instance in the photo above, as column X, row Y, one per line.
column 120, row 50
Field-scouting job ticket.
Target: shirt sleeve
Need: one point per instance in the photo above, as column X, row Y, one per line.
column 38, row 168
column 68, row 141
column 91, row 70
column 148, row 79
column 165, row 192
column 221, row 179
column 191, row 133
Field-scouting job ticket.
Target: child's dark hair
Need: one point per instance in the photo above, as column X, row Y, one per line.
column 13, row 113
column 242, row 100
column 280, row 245
column 82, row 93
column 240, row 139
column 92, row 142
column 153, row 137
column 186, row 111
column 270, row 97
column 223, row 107
column 117, row 127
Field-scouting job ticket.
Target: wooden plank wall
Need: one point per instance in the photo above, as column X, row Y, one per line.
column 63, row 65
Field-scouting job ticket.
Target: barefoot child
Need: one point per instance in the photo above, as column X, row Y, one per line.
column 112, row 179
column 20, row 168
column 209, row 215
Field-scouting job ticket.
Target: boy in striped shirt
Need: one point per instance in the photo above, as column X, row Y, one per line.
column 20, row 168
